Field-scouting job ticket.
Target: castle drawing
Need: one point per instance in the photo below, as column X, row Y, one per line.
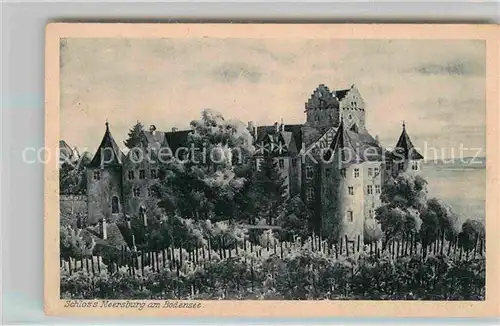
column 331, row 161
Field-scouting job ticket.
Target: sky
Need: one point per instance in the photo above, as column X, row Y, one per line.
column 436, row 86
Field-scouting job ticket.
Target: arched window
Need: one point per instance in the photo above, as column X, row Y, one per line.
column 115, row 207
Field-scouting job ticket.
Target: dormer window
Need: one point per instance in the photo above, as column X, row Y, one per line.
column 131, row 175
column 97, row 175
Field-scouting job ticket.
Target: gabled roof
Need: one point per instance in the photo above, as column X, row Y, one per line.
column 321, row 98
column 404, row 148
column 65, row 151
column 295, row 130
column 107, row 147
column 355, row 147
column 155, row 140
column 341, row 93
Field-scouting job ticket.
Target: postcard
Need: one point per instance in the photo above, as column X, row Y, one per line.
column 271, row 170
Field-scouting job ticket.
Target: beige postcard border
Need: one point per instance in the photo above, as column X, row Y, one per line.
column 489, row 33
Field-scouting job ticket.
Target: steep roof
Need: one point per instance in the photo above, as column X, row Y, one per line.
column 156, row 139
column 295, row 130
column 341, row 93
column 343, row 144
column 355, row 147
column 65, row 151
column 404, row 148
column 108, row 148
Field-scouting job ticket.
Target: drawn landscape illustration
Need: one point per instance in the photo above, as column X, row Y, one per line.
column 287, row 169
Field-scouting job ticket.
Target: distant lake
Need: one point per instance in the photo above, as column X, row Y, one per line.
column 460, row 185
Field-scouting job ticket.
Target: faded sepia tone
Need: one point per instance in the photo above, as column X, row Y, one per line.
column 427, row 85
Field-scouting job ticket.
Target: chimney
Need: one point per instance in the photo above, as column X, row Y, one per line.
column 104, row 229
column 282, row 126
column 152, row 129
column 174, row 129
column 276, row 127
column 377, row 140
column 251, row 125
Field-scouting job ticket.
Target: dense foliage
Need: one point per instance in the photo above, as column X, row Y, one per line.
column 299, row 276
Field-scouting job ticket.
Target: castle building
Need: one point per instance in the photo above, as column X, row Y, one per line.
column 331, row 161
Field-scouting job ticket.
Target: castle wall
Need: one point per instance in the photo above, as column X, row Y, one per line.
column 353, row 202
column 100, row 194
column 375, row 180
column 143, row 195
column 323, row 117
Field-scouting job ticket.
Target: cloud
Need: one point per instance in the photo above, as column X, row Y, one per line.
column 231, row 71
column 454, row 68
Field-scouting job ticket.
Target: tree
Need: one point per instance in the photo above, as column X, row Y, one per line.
column 135, row 136
column 72, row 175
column 270, row 190
column 471, row 231
column 203, row 185
column 72, row 243
column 296, row 219
column 404, row 198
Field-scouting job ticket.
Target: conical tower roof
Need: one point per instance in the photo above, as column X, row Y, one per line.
column 344, row 145
column 404, row 147
column 108, row 153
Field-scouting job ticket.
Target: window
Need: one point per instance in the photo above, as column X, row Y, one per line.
column 316, row 118
column 377, row 171
column 350, row 117
column 142, row 174
column 131, row 175
column 401, row 166
column 356, row 173
column 414, row 166
column 388, row 166
column 328, row 173
column 369, row 189
column 294, row 162
column 281, row 163
column 351, row 190
column 150, row 192
column 97, row 175
column 370, row 213
column 370, row 172
column 350, row 216
column 310, row 194
column 377, row 189
column 115, row 207
column 154, row 174
column 137, row 191
column 309, row 172
column 342, row 173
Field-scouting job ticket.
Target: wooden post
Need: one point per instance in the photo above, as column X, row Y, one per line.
column 359, row 242
column 371, row 248
column 393, row 251
column 92, row 264
column 209, row 249
column 236, row 249
column 87, row 264
column 397, row 249
column 245, row 244
column 142, row 263
column 346, row 246
column 69, row 265
column 376, row 249
column 267, row 242
column 274, row 242
column 98, row 264
column 281, row 248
